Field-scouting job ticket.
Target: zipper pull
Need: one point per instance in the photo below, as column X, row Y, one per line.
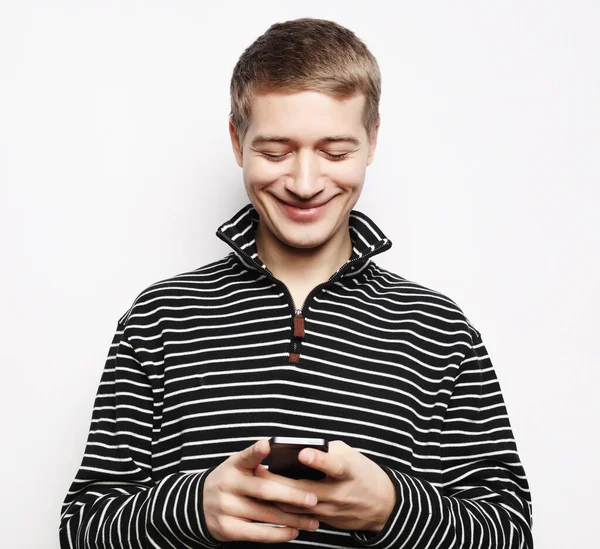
column 298, row 324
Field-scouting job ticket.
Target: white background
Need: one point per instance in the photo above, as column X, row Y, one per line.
column 116, row 169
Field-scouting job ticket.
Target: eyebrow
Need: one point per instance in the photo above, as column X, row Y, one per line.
column 260, row 139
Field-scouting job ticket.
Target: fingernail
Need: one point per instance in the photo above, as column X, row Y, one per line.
column 310, row 499
column 313, row 524
column 308, row 457
column 295, row 533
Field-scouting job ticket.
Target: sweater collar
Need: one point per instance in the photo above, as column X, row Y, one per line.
column 239, row 232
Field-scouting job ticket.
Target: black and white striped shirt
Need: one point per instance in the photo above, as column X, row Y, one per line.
column 207, row 362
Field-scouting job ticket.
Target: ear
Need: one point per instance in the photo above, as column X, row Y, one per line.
column 236, row 144
column 373, row 143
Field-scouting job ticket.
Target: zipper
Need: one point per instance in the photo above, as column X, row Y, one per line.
column 297, row 336
column 297, row 314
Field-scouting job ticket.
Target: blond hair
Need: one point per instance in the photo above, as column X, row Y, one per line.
column 305, row 54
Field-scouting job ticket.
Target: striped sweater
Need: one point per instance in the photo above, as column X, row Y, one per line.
column 206, row 362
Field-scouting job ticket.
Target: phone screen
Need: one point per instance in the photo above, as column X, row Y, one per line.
column 283, row 458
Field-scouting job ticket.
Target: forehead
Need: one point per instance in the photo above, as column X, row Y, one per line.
column 306, row 115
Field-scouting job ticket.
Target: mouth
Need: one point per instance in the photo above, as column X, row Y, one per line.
column 304, row 206
column 304, row 212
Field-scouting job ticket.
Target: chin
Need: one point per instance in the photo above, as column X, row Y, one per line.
column 298, row 238
column 303, row 245
column 304, row 235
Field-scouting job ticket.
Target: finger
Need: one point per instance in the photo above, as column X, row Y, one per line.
column 269, row 489
column 271, row 514
column 250, row 457
column 315, row 486
column 332, row 465
column 263, row 472
column 241, row 530
column 293, row 510
column 259, row 469
column 320, row 512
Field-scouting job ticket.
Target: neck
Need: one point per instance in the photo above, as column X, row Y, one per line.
column 303, row 266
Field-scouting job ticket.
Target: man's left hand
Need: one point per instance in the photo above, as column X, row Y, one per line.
column 356, row 494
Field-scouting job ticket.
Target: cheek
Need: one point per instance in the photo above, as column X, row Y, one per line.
column 349, row 173
column 259, row 173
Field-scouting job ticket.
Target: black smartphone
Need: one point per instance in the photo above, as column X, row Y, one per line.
column 283, row 458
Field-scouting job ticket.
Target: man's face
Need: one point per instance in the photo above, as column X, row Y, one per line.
column 304, row 159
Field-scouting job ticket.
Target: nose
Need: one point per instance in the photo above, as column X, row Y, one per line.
column 305, row 179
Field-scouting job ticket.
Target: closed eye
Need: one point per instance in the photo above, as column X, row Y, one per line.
column 280, row 157
column 336, row 156
column 274, row 157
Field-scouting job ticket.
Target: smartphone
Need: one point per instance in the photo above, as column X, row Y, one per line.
column 283, row 458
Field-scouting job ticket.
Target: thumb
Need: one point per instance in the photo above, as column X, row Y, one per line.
column 251, row 457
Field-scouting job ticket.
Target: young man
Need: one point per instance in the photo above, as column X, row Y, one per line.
column 297, row 332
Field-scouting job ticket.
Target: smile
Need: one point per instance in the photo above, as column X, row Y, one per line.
column 303, row 214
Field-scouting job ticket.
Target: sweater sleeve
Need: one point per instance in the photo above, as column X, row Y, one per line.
column 484, row 500
column 114, row 498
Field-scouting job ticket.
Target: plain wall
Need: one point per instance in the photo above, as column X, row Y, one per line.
column 116, row 169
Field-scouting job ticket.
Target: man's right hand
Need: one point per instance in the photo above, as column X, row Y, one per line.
column 234, row 497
